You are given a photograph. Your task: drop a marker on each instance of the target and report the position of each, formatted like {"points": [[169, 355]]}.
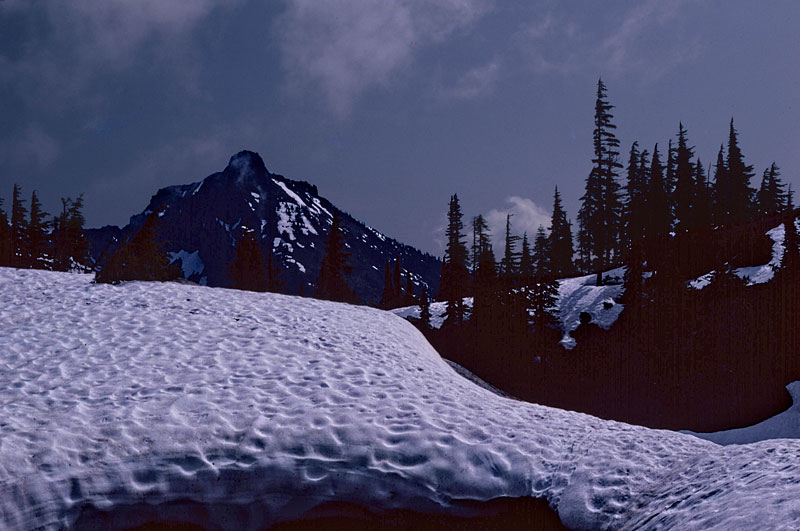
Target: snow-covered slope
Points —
{"points": [[260, 406]]}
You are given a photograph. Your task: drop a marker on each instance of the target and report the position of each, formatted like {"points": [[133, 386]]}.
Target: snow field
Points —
{"points": [[161, 392]]}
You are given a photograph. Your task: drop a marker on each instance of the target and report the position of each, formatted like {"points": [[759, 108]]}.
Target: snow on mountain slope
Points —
{"points": [[260, 406], [754, 274]]}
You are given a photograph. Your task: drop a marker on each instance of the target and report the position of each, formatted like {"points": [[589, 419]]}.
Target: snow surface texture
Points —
{"points": [[159, 392], [784, 425]]}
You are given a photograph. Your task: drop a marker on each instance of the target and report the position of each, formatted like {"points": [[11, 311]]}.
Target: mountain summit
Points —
{"points": [[201, 221]]}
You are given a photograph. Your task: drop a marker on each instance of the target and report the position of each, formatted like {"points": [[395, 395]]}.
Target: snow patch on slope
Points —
{"points": [[169, 392]]}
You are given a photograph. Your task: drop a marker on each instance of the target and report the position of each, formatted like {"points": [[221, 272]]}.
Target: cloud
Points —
{"points": [[87, 37], [33, 150], [474, 83], [526, 216], [346, 47]]}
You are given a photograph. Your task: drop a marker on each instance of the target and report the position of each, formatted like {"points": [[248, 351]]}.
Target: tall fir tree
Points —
{"points": [[6, 245], [703, 198], [670, 178], [560, 242], [789, 198], [332, 281], [636, 193], [659, 217], [397, 283], [542, 291], [36, 236], [509, 265], [19, 228], [771, 197], [455, 277], [59, 236], [248, 270], [76, 234], [601, 210], [526, 267], [484, 276], [684, 195], [425, 308], [733, 193]]}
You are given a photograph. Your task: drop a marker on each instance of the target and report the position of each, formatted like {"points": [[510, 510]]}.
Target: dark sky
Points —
{"points": [[388, 107]]}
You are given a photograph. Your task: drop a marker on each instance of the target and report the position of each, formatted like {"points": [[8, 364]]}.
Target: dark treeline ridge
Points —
{"points": [[29, 240], [677, 357]]}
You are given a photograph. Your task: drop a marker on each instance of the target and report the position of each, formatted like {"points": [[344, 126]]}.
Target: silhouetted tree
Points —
{"points": [[542, 292], [397, 282], [526, 268], [601, 210], [734, 195], [19, 228], [425, 308], [771, 197], [560, 240], [685, 187], [6, 244], [455, 278], [703, 214], [36, 235], [484, 277], [635, 218], [140, 257], [659, 218], [510, 263], [332, 280], [248, 271]]}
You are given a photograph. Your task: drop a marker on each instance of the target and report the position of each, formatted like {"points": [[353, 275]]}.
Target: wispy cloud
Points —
{"points": [[526, 216], [32, 151], [476, 82], [346, 47], [88, 37]]}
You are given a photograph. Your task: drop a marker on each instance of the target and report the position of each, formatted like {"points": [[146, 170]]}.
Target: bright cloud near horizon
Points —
{"points": [[388, 107]]}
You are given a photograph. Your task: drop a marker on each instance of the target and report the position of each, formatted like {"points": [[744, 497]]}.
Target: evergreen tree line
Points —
{"points": [[662, 198], [28, 239], [514, 295]]}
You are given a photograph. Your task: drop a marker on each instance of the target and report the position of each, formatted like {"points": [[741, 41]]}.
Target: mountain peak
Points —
{"points": [[246, 163]]}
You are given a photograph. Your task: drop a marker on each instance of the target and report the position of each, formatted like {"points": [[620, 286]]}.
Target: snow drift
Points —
{"points": [[266, 405]]}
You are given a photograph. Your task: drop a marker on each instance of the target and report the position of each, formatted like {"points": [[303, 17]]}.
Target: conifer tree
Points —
{"points": [[332, 280], [636, 191], [484, 275], [5, 239], [388, 295], [36, 235], [455, 278], [526, 267], [510, 263], [735, 197], [560, 240], [19, 228], [685, 187], [601, 210], [659, 218], [140, 257], [425, 308], [248, 271], [543, 290], [771, 197], [59, 234], [669, 179], [789, 199], [76, 233], [720, 189], [703, 203]]}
